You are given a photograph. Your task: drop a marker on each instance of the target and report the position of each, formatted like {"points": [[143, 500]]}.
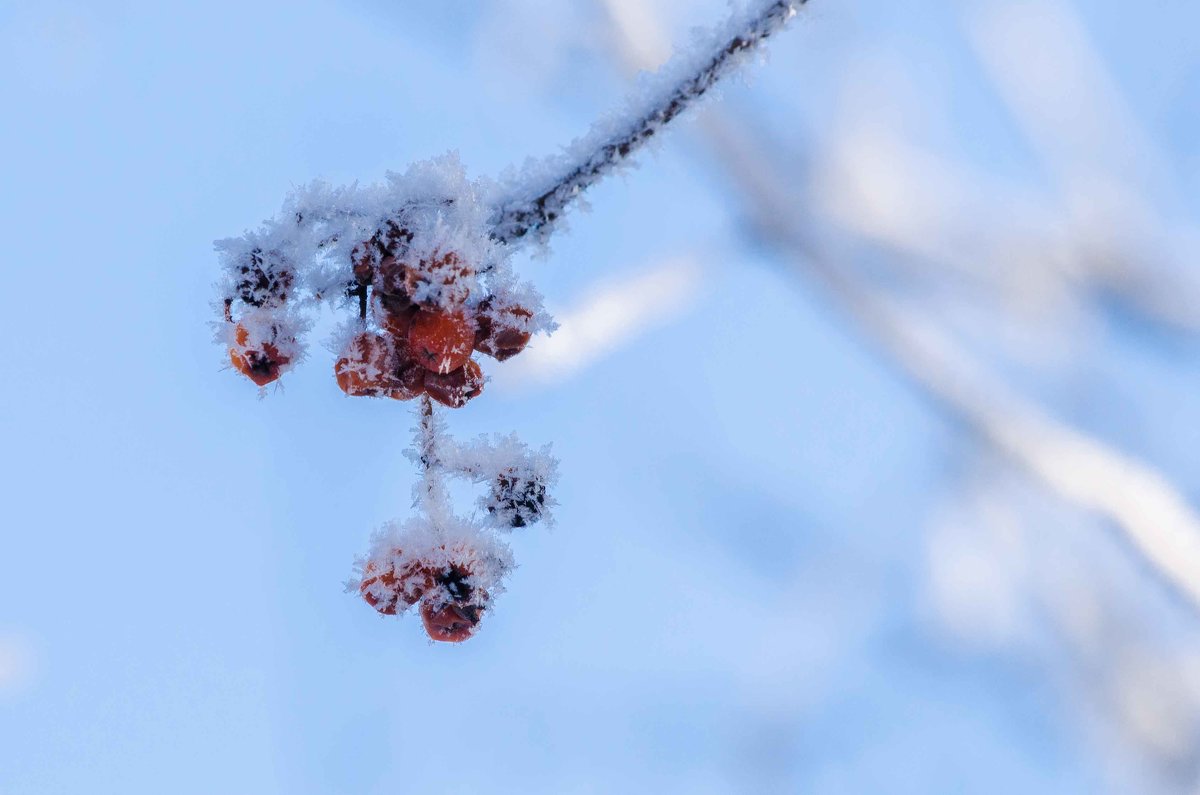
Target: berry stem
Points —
{"points": [[427, 438], [536, 207], [431, 491]]}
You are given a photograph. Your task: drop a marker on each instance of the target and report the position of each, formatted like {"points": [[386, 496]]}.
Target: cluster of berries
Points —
{"points": [[422, 314], [261, 350], [453, 568], [428, 324], [417, 263], [443, 583]]}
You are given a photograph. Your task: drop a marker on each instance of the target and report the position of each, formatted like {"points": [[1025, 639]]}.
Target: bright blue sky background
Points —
{"points": [[731, 601]]}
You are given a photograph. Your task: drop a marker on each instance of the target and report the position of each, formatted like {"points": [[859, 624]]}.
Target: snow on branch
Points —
{"points": [[542, 192]]}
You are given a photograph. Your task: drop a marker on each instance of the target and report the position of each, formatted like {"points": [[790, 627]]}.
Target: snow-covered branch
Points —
{"points": [[542, 193]]}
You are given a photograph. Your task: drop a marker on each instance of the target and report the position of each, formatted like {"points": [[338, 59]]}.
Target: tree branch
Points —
{"points": [[536, 207]]}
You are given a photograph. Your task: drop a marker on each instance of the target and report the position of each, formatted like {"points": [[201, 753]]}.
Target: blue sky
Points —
{"points": [[732, 598]]}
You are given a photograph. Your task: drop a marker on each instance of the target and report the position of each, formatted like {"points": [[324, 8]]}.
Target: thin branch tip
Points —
{"points": [[535, 208]]}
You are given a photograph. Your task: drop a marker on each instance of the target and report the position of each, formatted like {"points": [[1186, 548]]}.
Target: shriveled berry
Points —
{"points": [[365, 368], [441, 341], [386, 589], [409, 376], [456, 388], [261, 362], [453, 605], [518, 500], [264, 279], [502, 331]]}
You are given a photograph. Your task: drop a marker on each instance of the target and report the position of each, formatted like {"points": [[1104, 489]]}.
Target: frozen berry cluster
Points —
{"points": [[263, 344], [423, 320], [424, 257], [424, 284], [443, 581], [420, 321], [416, 264], [448, 568]]}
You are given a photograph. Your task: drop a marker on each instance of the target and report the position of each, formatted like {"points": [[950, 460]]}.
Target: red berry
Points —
{"points": [[440, 276], [450, 623], [409, 381], [394, 314], [384, 273], [365, 368], [385, 589], [441, 341], [374, 365], [456, 388], [260, 363], [501, 332], [390, 277]]}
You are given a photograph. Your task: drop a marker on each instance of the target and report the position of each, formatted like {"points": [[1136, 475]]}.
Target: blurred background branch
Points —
{"points": [[940, 243]]}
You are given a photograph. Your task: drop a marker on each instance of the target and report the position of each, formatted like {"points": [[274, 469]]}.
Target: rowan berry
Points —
{"points": [[409, 377], [390, 277], [439, 279], [385, 589], [450, 623], [456, 388], [260, 362], [365, 368], [501, 331], [441, 341], [453, 606], [386, 274], [394, 314]]}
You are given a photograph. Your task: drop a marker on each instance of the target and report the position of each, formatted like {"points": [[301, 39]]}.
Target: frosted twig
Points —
{"points": [[534, 207]]}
